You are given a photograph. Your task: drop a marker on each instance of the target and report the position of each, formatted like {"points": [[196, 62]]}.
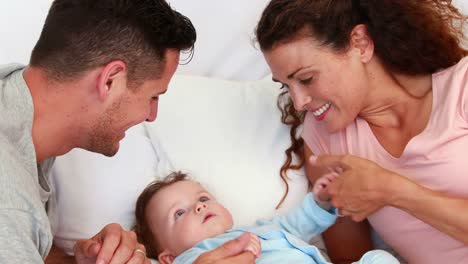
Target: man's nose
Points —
{"points": [[153, 113]]}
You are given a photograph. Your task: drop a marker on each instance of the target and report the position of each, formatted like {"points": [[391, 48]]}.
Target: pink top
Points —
{"points": [[437, 158]]}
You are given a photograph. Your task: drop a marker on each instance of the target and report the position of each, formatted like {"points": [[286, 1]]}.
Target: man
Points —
{"points": [[97, 69]]}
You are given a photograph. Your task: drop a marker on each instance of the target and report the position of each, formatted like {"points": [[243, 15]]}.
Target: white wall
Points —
{"points": [[224, 28], [20, 25], [223, 49]]}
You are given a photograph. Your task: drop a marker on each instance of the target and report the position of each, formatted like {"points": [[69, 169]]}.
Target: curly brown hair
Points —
{"points": [[145, 235], [411, 37]]}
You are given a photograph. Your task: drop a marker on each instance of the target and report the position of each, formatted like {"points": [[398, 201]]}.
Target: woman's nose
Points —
{"points": [[300, 98]]}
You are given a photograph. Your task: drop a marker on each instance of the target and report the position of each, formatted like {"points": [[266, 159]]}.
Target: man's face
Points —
{"points": [[130, 108], [183, 214]]}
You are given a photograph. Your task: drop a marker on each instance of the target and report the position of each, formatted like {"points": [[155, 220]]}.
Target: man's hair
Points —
{"points": [[79, 35], [145, 235]]}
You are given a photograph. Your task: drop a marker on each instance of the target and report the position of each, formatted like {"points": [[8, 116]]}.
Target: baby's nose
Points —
{"points": [[200, 207]]}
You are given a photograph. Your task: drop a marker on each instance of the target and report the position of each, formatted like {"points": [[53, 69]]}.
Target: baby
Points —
{"points": [[178, 220]]}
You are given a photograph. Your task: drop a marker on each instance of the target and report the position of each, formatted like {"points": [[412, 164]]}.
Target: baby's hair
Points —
{"points": [[142, 228]]}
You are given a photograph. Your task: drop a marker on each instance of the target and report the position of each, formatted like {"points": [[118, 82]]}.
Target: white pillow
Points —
{"points": [[92, 190], [228, 135]]}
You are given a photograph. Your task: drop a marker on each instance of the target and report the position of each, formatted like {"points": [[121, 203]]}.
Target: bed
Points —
{"points": [[219, 122]]}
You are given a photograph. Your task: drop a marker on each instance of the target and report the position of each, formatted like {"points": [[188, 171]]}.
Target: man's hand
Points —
{"points": [[234, 251], [111, 245]]}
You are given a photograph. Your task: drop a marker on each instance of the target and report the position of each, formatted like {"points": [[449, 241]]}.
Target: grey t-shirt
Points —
{"points": [[25, 234]]}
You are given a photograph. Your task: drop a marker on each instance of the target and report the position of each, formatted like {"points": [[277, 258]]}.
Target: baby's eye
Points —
{"points": [[204, 199], [179, 213], [306, 81]]}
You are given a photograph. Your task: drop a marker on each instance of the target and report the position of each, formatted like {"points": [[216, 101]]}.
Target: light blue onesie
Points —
{"points": [[282, 238]]}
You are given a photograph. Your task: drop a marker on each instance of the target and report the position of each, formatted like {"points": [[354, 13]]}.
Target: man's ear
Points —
{"points": [[362, 41], [166, 257], [108, 76]]}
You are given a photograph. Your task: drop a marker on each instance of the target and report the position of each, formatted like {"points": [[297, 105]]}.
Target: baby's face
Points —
{"points": [[183, 214]]}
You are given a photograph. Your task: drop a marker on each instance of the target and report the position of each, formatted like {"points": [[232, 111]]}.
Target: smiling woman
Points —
{"points": [[374, 99]]}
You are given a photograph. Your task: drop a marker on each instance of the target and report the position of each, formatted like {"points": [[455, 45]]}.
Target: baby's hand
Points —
{"points": [[321, 184], [254, 245]]}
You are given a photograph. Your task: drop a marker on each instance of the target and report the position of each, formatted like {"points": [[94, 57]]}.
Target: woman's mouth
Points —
{"points": [[320, 112]]}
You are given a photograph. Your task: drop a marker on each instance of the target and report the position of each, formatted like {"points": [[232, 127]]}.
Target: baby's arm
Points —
{"points": [[306, 220], [319, 190]]}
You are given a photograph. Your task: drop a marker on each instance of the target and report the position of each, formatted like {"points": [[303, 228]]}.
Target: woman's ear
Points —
{"points": [[362, 41], [109, 76], [166, 257]]}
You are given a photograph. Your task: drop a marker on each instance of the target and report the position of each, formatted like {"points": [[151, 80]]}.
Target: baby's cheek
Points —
{"points": [[185, 235]]}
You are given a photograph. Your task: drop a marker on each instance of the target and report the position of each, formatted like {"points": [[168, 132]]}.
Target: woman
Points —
{"points": [[381, 89]]}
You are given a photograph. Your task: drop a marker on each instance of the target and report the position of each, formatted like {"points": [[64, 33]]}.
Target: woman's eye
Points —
{"points": [[204, 199], [179, 213], [305, 81]]}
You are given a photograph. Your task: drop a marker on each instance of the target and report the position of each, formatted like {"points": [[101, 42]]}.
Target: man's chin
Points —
{"points": [[113, 151], [108, 151]]}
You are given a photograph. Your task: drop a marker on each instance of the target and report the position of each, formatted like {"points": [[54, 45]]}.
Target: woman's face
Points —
{"points": [[331, 86]]}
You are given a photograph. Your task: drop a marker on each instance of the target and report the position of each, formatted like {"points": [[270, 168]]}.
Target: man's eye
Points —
{"points": [[204, 199], [305, 81], [179, 213], [155, 98], [284, 86]]}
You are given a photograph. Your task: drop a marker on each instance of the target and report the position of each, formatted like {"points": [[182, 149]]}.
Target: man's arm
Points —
{"points": [[23, 238], [57, 256]]}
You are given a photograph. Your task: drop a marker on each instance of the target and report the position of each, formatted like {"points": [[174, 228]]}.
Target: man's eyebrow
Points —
{"points": [[290, 76]]}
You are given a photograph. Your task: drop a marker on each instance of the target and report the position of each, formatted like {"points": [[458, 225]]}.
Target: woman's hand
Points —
{"points": [[362, 187]]}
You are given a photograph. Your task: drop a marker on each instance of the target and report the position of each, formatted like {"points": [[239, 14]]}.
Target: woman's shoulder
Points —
{"points": [[459, 69], [453, 80]]}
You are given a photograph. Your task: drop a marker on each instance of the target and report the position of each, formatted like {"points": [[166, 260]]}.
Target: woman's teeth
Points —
{"points": [[321, 109]]}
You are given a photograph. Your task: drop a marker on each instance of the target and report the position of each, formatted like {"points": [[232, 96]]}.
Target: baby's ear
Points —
{"points": [[166, 257]]}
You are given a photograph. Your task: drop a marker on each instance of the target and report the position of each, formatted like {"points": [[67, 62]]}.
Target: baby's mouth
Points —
{"points": [[208, 216]]}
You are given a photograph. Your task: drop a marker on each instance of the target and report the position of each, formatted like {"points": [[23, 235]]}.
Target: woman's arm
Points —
{"points": [[445, 213], [364, 187], [346, 240]]}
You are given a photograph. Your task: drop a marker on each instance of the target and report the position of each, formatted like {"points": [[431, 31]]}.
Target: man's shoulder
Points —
{"points": [[8, 69], [18, 186]]}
